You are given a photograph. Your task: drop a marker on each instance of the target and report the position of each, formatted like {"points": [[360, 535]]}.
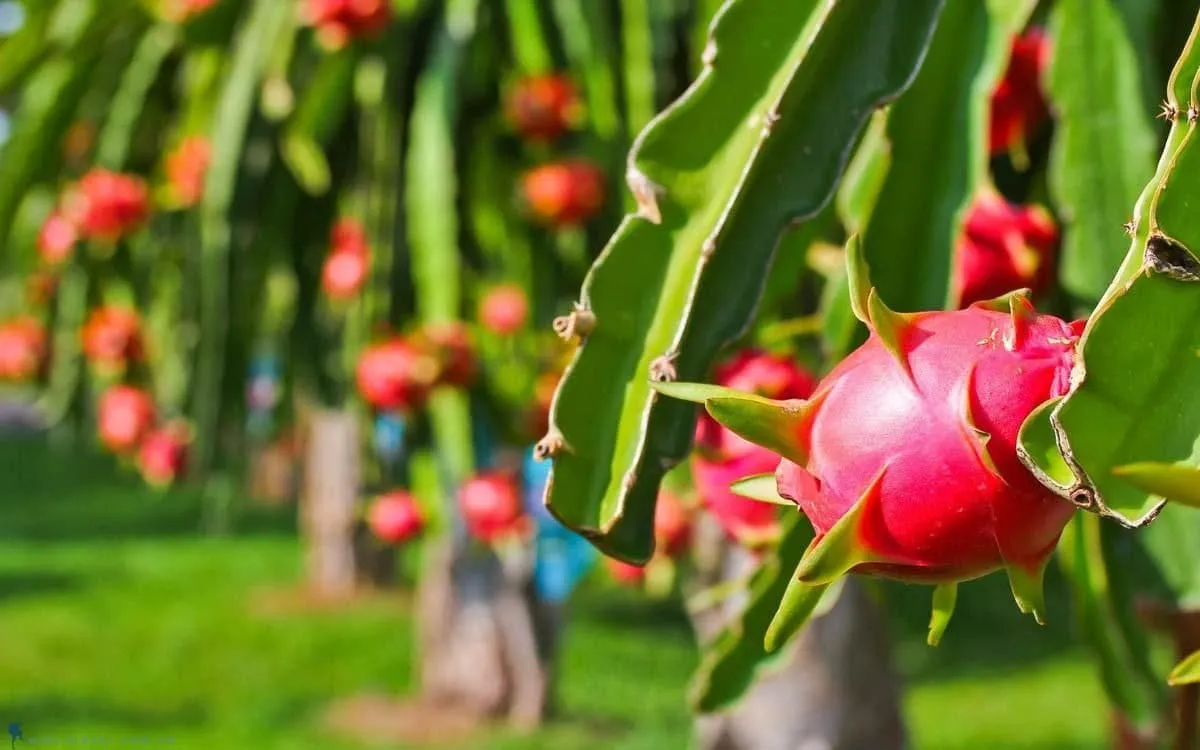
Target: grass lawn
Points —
{"points": [[118, 619]]}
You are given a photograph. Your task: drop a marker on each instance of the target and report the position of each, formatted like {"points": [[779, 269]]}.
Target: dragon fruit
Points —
{"points": [[1018, 103], [395, 517], [1004, 247], [905, 458], [723, 456]]}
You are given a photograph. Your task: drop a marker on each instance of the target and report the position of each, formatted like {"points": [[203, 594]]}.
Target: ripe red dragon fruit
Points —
{"points": [[394, 517], [162, 456], [905, 456], [348, 263], [396, 375], [722, 456], [1018, 103], [124, 416], [565, 193], [56, 239], [503, 309], [672, 525], [449, 343], [22, 349], [107, 205], [112, 338], [339, 21], [187, 167], [490, 504], [542, 108], [1005, 247]]}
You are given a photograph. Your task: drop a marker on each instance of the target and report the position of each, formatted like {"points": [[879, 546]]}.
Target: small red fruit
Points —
{"points": [[625, 573], [124, 416], [339, 21], [542, 108], [395, 518], [187, 167], [1004, 247], [450, 345], [672, 526], [56, 240], [491, 506], [112, 337], [162, 457], [1018, 103], [22, 349], [722, 456], [106, 205], [395, 374], [503, 309], [348, 263], [566, 193]]}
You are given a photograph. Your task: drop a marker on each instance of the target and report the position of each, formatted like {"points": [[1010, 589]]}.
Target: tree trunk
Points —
{"points": [[836, 689], [486, 646], [330, 501]]}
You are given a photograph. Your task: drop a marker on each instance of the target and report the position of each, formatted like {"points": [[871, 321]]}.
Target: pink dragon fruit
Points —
{"points": [[1004, 247], [905, 456], [722, 456]]}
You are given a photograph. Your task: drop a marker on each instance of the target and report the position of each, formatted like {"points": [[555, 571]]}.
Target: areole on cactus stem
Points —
{"points": [[904, 458]]}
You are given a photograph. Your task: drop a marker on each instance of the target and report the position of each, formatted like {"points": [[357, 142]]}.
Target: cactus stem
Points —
{"points": [[550, 445], [709, 57], [578, 324], [645, 193], [841, 549], [707, 249], [944, 598], [663, 370], [1130, 227]]}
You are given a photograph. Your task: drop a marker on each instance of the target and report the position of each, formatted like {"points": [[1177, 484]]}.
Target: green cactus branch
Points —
{"points": [[757, 143]]}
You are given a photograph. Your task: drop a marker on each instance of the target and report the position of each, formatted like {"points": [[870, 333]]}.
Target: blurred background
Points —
{"points": [[282, 289]]}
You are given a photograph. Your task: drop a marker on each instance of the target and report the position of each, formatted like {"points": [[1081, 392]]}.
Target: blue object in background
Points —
{"points": [[562, 557], [390, 429]]}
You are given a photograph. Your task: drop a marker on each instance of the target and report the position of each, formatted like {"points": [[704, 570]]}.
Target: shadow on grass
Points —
{"points": [[36, 583], [53, 715], [75, 493]]}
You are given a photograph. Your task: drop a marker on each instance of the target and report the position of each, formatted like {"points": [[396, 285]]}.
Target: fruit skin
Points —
{"points": [[162, 456], [339, 21], [125, 415], [564, 194], [503, 309], [187, 167], [395, 374], [22, 349], [112, 338], [107, 205], [541, 108], [672, 525], [938, 513], [722, 456], [449, 343], [490, 504], [1004, 247], [56, 240], [395, 517], [1018, 103]]}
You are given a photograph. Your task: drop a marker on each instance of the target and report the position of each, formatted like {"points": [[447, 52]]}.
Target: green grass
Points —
{"points": [[119, 619]]}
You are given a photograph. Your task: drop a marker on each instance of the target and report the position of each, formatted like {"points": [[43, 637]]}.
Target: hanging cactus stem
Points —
{"points": [[944, 597]]}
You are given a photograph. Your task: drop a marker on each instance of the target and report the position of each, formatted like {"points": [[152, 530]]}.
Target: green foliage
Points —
{"points": [[681, 278]]}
